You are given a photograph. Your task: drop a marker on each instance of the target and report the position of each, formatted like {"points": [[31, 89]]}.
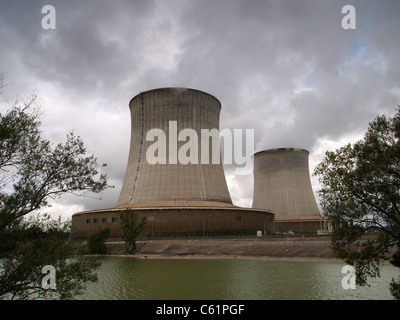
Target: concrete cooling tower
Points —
{"points": [[282, 184], [172, 110], [171, 178]]}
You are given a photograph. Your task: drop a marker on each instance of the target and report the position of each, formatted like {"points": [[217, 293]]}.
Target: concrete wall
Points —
{"points": [[300, 227], [178, 221], [145, 182]]}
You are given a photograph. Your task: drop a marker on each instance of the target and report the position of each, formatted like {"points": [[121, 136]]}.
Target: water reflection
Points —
{"points": [[128, 278]]}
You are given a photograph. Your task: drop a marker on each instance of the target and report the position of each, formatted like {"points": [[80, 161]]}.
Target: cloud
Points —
{"points": [[286, 69]]}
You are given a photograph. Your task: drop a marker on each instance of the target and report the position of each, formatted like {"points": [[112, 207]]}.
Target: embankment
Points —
{"points": [[253, 248]]}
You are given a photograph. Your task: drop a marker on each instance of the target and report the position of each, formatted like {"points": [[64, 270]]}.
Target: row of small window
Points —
{"points": [[95, 220]]}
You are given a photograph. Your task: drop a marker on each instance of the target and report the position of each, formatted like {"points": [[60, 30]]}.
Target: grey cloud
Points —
{"points": [[285, 68]]}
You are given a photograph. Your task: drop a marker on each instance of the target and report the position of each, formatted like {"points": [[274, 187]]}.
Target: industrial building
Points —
{"points": [[178, 190], [282, 185]]}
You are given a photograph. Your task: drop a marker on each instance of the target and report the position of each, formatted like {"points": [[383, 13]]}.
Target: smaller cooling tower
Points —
{"points": [[282, 184]]}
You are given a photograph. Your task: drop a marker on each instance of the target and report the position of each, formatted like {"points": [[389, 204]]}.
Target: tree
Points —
{"points": [[96, 242], [32, 172], [132, 228], [40, 172], [31, 244], [361, 193]]}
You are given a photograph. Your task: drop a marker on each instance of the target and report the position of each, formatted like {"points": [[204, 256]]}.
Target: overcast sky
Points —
{"points": [[285, 68]]}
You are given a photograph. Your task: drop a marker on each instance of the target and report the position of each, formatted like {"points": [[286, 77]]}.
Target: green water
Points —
{"points": [[186, 279]]}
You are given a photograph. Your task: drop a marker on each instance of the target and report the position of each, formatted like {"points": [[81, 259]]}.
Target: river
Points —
{"points": [[125, 278]]}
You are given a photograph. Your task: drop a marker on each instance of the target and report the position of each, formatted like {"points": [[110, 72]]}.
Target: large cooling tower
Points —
{"points": [[172, 110], [172, 179], [282, 184]]}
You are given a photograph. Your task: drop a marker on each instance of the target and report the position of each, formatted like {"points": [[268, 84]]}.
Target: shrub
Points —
{"points": [[96, 241]]}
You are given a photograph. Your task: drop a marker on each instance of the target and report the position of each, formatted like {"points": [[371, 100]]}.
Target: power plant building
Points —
{"points": [[171, 178], [282, 184]]}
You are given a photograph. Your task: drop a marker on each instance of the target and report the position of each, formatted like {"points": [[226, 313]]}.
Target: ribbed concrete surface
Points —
{"points": [[178, 204], [145, 182], [282, 184]]}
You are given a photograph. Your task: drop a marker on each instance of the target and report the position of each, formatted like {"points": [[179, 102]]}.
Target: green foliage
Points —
{"points": [[395, 289], [132, 228], [30, 244], [96, 242], [32, 172], [361, 193], [37, 170]]}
